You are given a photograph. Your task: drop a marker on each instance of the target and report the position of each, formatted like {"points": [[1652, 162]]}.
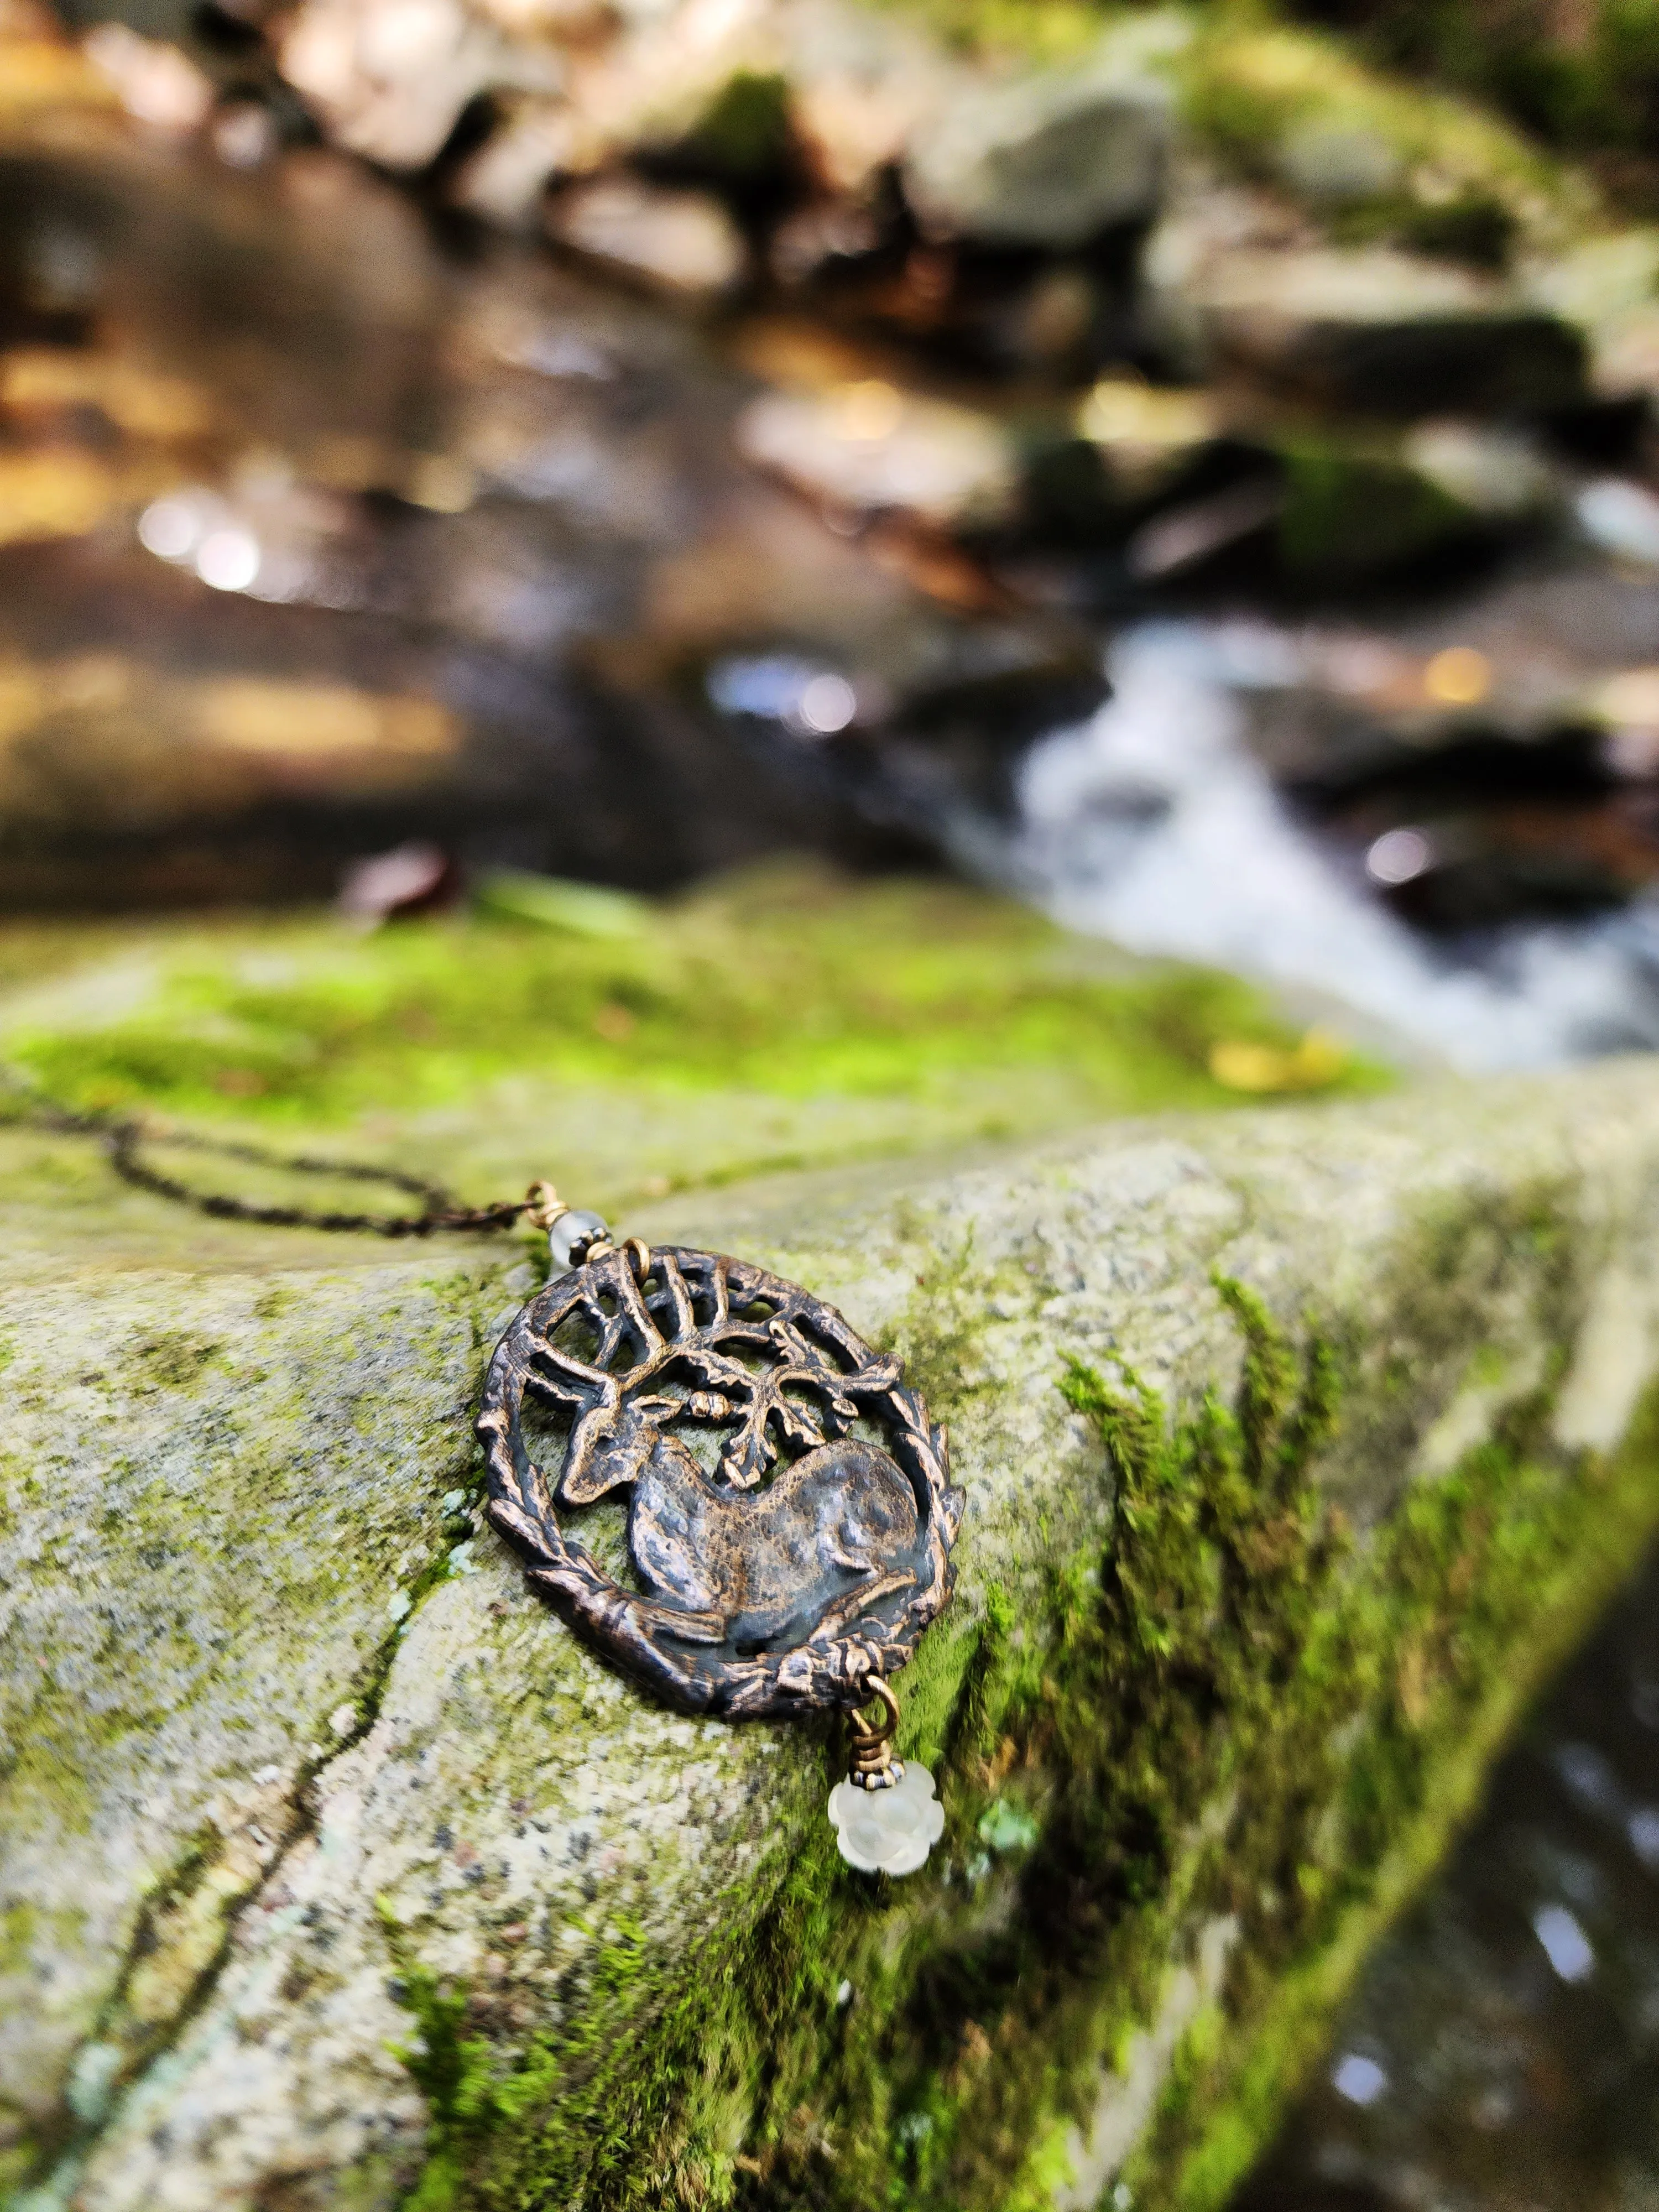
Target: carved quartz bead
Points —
{"points": [[887, 1830]]}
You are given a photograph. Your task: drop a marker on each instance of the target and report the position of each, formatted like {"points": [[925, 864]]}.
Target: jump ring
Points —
{"points": [[543, 1206], [865, 1732]]}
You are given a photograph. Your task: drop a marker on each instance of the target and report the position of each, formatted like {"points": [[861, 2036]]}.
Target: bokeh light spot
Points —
{"points": [[1359, 2079], [827, 704], [228, 559], [870, 412], [1398, 855], [1459, 677]]}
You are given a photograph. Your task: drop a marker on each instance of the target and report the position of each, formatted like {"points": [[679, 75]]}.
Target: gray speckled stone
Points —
{"points": [[268, 1737]]}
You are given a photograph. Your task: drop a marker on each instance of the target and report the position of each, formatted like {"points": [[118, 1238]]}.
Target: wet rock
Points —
{"points": [[1621, 517], [1606, 286], [1485, 784], [1494, 472], [1488, 872], [1353, 509], [1046, 162], [505, 182], [338, 469], [389, 78], [1186, 498], [1624, 362], [411, 879], [691, 88], [1052, 323], [1333, 162], [1190, 533], [1481, 828], [816, 243], [1369, 329], [156, 83], [1369, 157], [1146, 434], [682, 243], [865, 448], [861, 81]]}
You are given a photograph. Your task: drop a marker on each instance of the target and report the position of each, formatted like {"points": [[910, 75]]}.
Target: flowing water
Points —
{"points": [[1157, 824], [1502, 2051]]}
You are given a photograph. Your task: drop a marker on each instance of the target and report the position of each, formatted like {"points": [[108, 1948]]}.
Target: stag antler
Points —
{"points": [[619, 1415]]}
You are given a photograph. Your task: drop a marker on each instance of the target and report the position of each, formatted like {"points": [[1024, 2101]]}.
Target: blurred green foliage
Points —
{"points": [[1583, 76]]}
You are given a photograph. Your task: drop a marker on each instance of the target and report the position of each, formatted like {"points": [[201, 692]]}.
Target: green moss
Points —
{"points": [[744, 134], [455, 2071], [174, 1360], [1253, 87], [1239, 1709], [625, 2106], [1585, 79], [17, 1925], [1052, 32], [1521, 1563], [1348, 513], [1449, 177], [818, 1019], [887, 990], [1470, 225]]}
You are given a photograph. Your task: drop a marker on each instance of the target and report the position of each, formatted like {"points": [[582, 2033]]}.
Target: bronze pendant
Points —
{"points": [[790, 1510]]}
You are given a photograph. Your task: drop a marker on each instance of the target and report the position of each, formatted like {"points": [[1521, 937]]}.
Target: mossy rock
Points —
{"points": [[1589, 82], [1376, 156], [1353, 513], [1285, 103], [780, 1019], [338, 1873]]}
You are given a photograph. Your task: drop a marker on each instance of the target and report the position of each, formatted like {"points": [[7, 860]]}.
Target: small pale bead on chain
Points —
{"points": [[570, 1236]]}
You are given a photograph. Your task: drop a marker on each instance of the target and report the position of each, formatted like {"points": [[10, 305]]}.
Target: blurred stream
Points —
{"points": [[1502, 2051], [1156, 825]]}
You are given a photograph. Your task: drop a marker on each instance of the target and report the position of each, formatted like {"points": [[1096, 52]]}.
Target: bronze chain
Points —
{"points": [[123, 1137]]}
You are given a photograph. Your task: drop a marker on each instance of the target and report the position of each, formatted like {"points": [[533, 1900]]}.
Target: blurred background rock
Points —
{"points": [[1191, 469]]}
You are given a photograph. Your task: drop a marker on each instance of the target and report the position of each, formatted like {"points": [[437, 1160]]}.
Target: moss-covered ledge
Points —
{"points": [[336, 1873]]}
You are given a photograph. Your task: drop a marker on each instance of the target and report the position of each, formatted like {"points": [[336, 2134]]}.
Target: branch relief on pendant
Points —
{"points": [[790, 1511]]}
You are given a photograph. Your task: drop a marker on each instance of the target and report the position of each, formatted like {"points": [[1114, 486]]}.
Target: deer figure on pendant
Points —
{"points": [[733, 1558]]}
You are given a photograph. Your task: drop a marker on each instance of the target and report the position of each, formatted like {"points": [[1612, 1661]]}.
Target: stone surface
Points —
{"points": [[682, 243], [300, 1777], [1049, 161], [1374, 328], [864, 448]]}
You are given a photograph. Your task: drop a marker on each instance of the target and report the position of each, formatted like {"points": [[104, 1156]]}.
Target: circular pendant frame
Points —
{"points": [[776, 1584]]}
